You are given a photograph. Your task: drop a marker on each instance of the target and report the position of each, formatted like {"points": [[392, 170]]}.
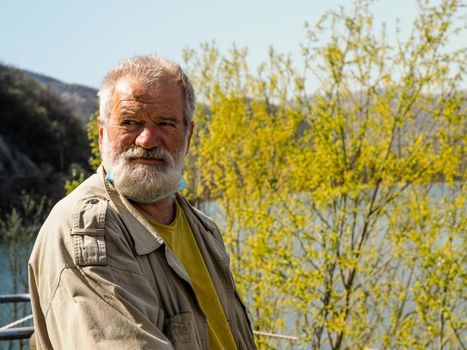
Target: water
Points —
{"points": [[6, 287]]}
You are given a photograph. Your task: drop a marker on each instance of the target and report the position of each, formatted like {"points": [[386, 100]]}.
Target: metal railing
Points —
{"points": [[10, 331]]}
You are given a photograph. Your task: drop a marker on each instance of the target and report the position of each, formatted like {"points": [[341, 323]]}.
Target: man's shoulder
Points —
{"points": [[64, 211], [82, 211], [93, 186]]}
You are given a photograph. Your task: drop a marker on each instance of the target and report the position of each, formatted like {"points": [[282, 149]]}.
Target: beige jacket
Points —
{"points": [[100, 277]]}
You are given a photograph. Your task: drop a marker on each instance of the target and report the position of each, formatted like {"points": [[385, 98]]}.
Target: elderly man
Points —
{"points": [[124, 261]]}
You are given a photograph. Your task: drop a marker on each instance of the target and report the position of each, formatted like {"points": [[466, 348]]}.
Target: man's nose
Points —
{"points": [[148, 137]]}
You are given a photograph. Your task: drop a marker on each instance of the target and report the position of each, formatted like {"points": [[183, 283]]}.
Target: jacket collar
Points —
{"points": [[194, 216]]}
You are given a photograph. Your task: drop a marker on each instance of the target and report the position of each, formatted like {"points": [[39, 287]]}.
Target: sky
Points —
{"points": [[79, 41]]}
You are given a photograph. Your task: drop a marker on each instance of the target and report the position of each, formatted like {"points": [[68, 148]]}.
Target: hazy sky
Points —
{"points": [[78, 41]]}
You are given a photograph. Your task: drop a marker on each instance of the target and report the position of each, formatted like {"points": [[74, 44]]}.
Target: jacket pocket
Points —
{"points": [[180, 330]]}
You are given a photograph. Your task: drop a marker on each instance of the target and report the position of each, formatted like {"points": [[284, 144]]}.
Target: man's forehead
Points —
{"points": [[131, 94], [124, 87]]}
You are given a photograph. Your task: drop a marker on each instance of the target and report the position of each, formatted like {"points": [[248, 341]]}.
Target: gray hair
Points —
{"points": [[150, 70]]}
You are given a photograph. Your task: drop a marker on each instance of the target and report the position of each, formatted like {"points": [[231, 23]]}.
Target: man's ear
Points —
{"points": [[191, 126], [100, 125]]}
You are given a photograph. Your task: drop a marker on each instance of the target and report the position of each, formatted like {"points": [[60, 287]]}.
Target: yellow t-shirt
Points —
{"points": [[180, 239]]}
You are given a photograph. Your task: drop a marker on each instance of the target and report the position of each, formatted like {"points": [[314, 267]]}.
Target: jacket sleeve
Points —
{"points": [[87, 291]]}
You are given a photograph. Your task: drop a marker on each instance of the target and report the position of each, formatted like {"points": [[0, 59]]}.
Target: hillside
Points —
{"points": [[41, 137], [81, 99]]}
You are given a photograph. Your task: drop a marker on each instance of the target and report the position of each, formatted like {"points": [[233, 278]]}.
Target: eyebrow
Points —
{"points": [[131, 114], [171, 119]]}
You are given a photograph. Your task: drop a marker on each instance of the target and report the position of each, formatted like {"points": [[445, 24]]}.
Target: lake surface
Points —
{"points": [[6, 310]]}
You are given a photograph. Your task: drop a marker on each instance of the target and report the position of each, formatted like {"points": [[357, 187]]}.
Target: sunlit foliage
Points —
{"points": [[344, 206]]}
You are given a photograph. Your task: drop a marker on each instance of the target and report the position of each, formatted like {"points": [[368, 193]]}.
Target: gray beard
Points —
{"points": [[142, 183]]}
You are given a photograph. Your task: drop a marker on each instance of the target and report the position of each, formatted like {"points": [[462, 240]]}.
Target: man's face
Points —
{"points": [[145, 139]]}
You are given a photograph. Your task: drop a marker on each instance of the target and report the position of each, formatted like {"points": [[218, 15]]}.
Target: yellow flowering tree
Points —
{"points": [[344, 208]]}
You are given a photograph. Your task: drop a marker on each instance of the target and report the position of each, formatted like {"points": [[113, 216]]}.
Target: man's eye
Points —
{"points": [[166, 124], [129, 122]]}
